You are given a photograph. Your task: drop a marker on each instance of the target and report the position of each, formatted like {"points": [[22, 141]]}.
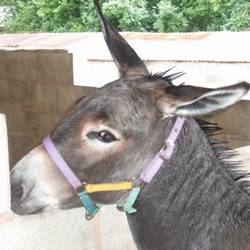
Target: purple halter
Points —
{"points": [[145, 177]]}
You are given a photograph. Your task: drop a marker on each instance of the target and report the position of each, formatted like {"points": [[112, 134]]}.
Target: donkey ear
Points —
{"points": [[195, 101], [126, 59]]}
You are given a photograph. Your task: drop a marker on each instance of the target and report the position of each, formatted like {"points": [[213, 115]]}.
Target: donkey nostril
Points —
{"points": [[17, 192]]}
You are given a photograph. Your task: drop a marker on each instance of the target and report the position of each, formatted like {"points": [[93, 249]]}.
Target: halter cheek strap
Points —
{"points": [[154, 166], [164, 154], [62, 165], [146, 176]]}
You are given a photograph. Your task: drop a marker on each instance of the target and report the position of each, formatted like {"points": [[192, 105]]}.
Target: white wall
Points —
{"points": [[203, 74]]}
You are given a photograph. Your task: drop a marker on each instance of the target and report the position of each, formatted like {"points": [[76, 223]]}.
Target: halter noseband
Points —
{"points": [[83, 189]]}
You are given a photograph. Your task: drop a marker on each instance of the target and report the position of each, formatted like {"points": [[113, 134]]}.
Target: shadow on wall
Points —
{"points": [[235, 122], [36, 90]]}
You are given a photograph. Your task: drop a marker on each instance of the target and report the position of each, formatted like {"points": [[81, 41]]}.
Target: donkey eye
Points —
{"points": [[104, 136]]}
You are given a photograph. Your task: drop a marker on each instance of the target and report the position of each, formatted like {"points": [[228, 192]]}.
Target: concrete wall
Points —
{"points": [[36, 90], [206, 74], [235, 122], [198, 73], [35, 93]]}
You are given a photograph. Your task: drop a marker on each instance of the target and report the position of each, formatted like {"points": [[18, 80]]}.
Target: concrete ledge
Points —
{"points": [[4, 167]]}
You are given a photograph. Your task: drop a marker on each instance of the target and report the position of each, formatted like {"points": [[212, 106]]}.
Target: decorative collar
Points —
{"points": [[83, 189]]}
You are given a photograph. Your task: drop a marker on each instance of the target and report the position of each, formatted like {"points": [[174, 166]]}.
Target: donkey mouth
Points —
{"points": [[38, 211], [24, 211]]}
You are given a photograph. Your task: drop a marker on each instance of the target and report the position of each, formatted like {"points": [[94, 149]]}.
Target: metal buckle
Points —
{"points": [[79, 189], [138, 182], [127, 205], [90, 207], [90, 216]]}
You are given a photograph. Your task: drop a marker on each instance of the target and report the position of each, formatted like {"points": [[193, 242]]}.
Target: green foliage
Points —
{"points": [[199, 15], [169, 18], [130, 15], [54, 15], [215, 15], [240, 16], [7, 2]]}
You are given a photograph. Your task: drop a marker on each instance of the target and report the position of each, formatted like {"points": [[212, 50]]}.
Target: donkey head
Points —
{"points": [[112, 134]]}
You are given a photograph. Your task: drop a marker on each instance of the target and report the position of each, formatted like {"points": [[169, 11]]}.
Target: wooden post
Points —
{"points": [[5, 211]]}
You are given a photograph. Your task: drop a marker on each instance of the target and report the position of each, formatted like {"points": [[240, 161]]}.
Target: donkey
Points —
{"points": [[195, 200]]}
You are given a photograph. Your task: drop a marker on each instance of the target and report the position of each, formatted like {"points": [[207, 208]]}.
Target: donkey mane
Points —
{"points": [[225, 154], [169, 78]]}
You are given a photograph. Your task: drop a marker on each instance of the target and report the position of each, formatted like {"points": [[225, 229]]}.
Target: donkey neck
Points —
{"points": [[193, 202]]}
